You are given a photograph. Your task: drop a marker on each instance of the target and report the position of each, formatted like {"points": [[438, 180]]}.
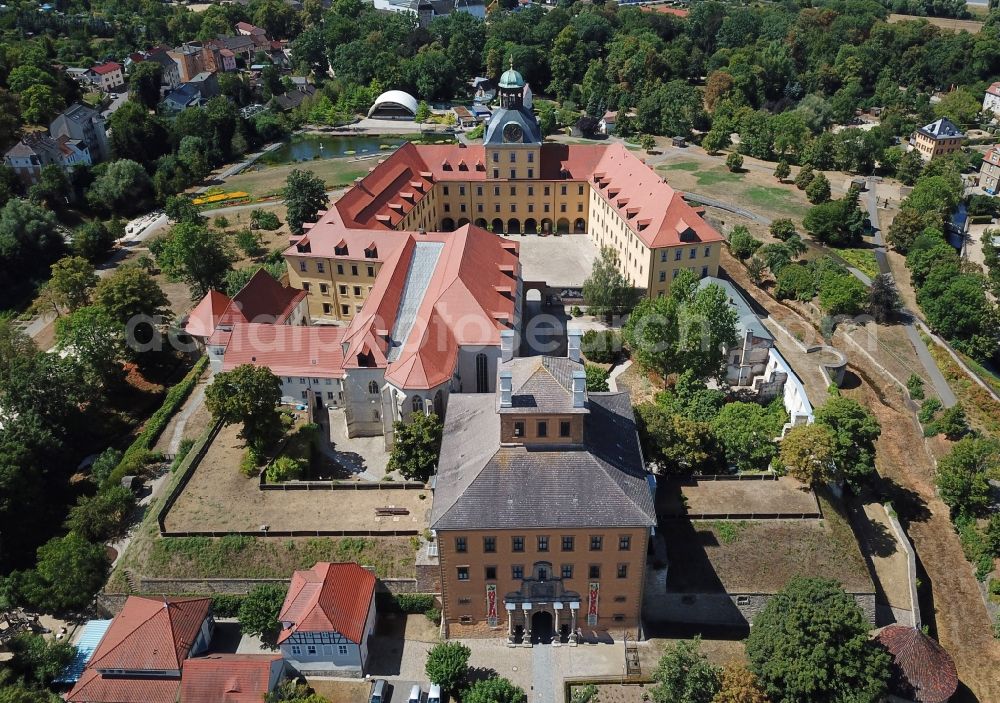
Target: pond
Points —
{"points": [[306, 147]]}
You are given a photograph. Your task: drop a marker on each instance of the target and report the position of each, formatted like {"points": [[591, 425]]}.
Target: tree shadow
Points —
{"points": [[909, 505], [480, 673]]}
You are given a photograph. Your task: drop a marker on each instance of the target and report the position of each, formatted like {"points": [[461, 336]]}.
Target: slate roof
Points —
{"points": [[483, 485], [925, 672], [541, 384], [227, 678], [523, 118], [330, 597], [941, 129]]}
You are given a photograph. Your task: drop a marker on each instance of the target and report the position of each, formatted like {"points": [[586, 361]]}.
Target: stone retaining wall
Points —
{"points": [[911, 564], [733, 609]]}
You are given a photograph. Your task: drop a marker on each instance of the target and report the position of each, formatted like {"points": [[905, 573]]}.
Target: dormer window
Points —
{"points": [[371, 252], [340, 249]]}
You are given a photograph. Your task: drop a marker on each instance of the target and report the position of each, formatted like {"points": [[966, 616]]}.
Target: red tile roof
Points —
{"points": [[228, 678], [288, 350], [463, 305], [994, 88], [92, 687], [203, 319], [328, 597], [926, 671], [262, 299], [109, 67]]}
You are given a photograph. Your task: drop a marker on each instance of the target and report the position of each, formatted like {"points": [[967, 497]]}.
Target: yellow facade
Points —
{"points": [[337, 287]]}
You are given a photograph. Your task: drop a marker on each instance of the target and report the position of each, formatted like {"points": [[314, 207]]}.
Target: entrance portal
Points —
{"points": [[541, 627]]}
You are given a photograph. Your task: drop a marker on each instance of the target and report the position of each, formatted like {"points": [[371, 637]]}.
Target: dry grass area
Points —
{"points": [[341, 691], [641, 386], [762, 556], [264, 181], [786, 495], [983, 412], [970, 26], [217, 485]]}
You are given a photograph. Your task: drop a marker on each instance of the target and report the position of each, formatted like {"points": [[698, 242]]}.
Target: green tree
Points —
{"points": [[136, 134], [92, 241], [756, 268], [675, 444], [23, 77], [607, 291], [597, 378], [782, 171], [805, 177], [247, 395], [911, 165], [448, 665], [688, 329], [416, 445], [855, 430], [179, 208], [747, 433], [37, 659], [807, 453], [883, 299], [811, 642], [71, 282], [96, 340], [742, 244], [908, 224], [715, 140], [264, 219], [818, 190], [130, 292], [842, 294], [193, 254], [68, 573], [423, 113], [734, 162], [259, 613], [782, 229], [144, 81], [963, 475], [647, 142], [305, 195], [249, 243], [40, 103], [52, 189], [495, 689], [796, 281], [18, 692], [123, 187], [103, 516], [684, 675]]}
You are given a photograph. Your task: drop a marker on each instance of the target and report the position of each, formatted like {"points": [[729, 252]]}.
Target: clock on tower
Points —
{"points": [[512, 133]]}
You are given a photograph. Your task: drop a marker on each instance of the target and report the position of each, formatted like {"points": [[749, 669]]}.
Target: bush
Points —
{"points": [[952, 424], [138, 454], [434, 615], [734, 162], [227, 605], [975, 546], [601, 346], [182, 451], [915, 386], [414, 602], [928, 409], [250, 463], [284, 468]]}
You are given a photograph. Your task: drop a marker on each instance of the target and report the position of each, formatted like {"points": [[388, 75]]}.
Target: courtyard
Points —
{"points": [[205, 504], [562, 261]]}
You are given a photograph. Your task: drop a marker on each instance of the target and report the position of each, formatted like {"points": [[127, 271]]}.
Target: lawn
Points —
{"points": [[236, 556], [715, 176], [690, 166], [268, 181], [861, 259], [773, 198]]}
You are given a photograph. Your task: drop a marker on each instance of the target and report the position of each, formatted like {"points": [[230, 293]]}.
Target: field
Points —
{"points": [[267, 181], [753, 187], [970, 26]]}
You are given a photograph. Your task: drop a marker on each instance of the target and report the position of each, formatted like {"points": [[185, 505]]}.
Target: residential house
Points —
{"points": [[189, 59], [543, 507], [193, 93], [938, 138], [231, 678], [989, 171], [37, 150], [327, 618], [143, 653], [107, 76], [248, 30], [216, 57], [262, 300], [83, 124], [207, 84], [991, 99], [291, 99]]}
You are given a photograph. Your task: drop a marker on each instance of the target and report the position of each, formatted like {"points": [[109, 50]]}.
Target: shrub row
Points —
{"points": [[601, 346], [227, 605], [414, 602], [140, 451]]}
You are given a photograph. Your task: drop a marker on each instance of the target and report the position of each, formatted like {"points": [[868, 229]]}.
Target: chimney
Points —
{"points": [[506, 389], [573, 351], [506, 345], [579, 388]]}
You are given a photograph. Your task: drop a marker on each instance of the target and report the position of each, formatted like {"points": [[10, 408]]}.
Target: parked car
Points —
{"points": [[434, 694], [379, 691], [414, 694]]}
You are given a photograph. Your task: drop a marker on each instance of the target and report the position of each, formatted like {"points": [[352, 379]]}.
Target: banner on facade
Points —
{"points": [[491, 605], [594, 592]]}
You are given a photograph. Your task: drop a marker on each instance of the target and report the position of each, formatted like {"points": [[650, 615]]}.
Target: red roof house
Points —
{"points": [[140, 657], [923, 671], [326, 619], [106, 68], [231, 678]]}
